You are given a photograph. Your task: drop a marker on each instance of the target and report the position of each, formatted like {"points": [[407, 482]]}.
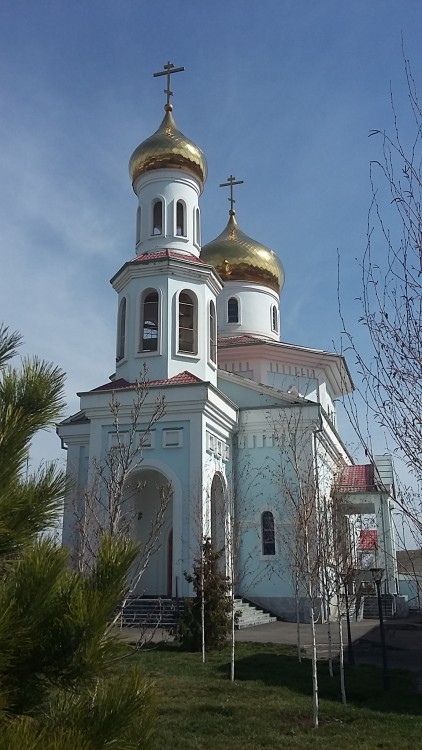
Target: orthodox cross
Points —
{"points": [[169, 69], [230, 182]]}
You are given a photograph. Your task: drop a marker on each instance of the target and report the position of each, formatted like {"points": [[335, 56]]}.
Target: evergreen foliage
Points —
{"points": [[61, 682], [212, 589]]}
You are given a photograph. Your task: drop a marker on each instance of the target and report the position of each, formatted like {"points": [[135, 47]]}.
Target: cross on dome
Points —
{"points": [[168, 71], [230, 182]]}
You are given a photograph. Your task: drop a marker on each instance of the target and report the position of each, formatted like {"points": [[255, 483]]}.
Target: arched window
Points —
{"points": [[180, 219], [157, 217], [233, 310], [267, 533], [197, 228], [274, 319], [149, 322], [138, 225], [121, 331], [187, 323], [213, 333]]}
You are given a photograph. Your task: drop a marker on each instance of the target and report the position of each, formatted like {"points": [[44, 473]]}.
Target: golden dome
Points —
{"points": [[168, 148], [236, 257]]}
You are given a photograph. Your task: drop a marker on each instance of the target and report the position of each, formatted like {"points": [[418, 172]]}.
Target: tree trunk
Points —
{"points": [[315, 701], [298, 641], [341, 647], [232, 636], [202, 607], [330, 649]]}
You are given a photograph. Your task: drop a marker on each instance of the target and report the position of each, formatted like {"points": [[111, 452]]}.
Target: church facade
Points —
{"points": [[246, 434]]}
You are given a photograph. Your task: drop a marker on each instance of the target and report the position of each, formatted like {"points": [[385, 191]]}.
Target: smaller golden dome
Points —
{"points": [[236, 257], [168, 148]]}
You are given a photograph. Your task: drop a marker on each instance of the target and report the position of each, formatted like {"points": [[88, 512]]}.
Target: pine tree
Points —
{"points": [[61, 680], [210, 610]]}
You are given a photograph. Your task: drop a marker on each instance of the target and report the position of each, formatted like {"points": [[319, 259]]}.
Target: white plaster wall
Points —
{"points": [[171, 185], [266, 476], [255, 303], [167, 361], [77, 470], [217, 452], [275, 368], [190, 467]]}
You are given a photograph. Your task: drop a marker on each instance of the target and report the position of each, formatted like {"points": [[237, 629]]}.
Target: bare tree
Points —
{"points": [[391, 296], [224, 526], [106, 505], [210, 533], [296, 475], [242, 503], [304, 471], [233, 518]]}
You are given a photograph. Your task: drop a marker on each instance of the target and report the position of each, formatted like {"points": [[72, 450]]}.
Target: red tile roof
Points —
{"points": [[368, 539], [357, 479], [239, 341], [182, 378], [114, 385], [166, 253]]}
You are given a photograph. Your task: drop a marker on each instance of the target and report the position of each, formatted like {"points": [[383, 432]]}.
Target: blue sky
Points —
{"points": [[280, 93]]}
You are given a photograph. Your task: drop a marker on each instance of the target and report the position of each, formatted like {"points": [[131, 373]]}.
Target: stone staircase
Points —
{"points": [[370, 607], [162, 612], [250, 615], [151, 612]]}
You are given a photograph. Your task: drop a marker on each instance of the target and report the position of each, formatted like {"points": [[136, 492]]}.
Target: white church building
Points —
{"points": [[248, 421]]}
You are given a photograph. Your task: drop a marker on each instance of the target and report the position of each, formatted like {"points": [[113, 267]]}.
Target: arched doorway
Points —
{"points": [[151, 500]]}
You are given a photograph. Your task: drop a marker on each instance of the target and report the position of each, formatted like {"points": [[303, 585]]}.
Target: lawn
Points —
{"points": [[270, 704]]}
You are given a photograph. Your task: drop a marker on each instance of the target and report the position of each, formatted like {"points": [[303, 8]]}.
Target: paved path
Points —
{"points": [[403, 638]]}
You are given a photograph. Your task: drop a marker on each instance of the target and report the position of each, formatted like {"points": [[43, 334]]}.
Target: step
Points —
{"points": [[370, 607], [151, 612], [253, 623], [251, 615]]}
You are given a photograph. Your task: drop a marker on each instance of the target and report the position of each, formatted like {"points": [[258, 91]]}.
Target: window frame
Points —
{"points": [[197, 225], [143, 300], [194, 303], [183, 233], [121, 330], [212, 332], [268, 536], [138, 225], [157, 202], [235, 299], [274, 318]]}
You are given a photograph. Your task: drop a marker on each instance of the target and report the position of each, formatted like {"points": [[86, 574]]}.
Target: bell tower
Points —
{"points": [[167, 294]]}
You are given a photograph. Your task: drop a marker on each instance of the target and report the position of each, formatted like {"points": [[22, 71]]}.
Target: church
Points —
{"points": [[246, 434]]}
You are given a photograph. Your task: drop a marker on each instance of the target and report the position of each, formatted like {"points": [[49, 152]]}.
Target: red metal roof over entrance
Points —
{"points": [[357, 479]]}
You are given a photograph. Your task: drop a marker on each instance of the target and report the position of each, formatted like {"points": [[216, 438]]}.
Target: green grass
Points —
{"points": [[270, 704]]}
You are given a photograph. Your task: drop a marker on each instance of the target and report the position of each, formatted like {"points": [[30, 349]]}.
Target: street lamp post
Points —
{"points": [[377, 577]]}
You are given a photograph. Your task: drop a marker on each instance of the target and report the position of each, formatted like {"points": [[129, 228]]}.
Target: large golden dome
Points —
{"points": [[236, 257], [168, 148]]}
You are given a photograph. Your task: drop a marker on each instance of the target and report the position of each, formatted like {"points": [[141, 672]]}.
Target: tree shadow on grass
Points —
{"points": [[364, 686]]}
